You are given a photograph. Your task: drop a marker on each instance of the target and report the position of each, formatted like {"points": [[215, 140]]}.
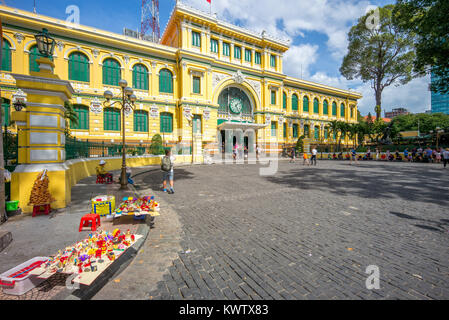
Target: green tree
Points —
{"points": [[70, 116], [343, 127], [334, 128], [300, 144], [156, 145], [382, 55], [428, 22]]}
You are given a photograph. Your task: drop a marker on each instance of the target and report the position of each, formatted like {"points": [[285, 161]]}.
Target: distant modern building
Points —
{"points": [[440, 102], [396, 112]]}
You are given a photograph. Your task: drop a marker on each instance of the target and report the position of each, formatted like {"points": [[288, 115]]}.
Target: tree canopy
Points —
{"points": [[427, 122], [427, 21], [382, 55]]}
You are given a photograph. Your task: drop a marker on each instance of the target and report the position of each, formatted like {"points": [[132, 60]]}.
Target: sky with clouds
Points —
{"points": [[317, 30]]}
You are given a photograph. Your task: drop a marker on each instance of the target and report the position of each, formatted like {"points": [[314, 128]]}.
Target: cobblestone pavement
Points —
{"points": [[304, 233]]}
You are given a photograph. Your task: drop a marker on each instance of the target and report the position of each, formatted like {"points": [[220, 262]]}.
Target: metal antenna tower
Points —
{"points": [[149, 23]]}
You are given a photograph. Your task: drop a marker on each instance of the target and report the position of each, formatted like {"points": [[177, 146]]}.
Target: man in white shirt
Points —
{"points": [[313, 159]]}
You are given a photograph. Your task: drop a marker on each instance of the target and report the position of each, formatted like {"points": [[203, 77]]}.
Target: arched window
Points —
{"points": [[165, 81], [111, 72], [140, 121], [325, 108], [334, 109], [5, 109], [111, 119], [230, 94], [6, 56], [295, 130], [140, 77], [79, 67], [83, 117], [342, 110], [316, 106], [306, 130], [305, 104], [317, 132], [33, 55], [294, 102], [284, 100]]}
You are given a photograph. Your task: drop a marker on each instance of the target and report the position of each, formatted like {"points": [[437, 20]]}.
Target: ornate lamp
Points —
{"points": [[45, 43]]}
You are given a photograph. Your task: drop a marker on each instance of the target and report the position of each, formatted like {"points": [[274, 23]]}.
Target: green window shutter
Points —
{"points": [[78, 67], [226, 49], [196, 85], [257, 58], [273, 61], [325, 107], [83, 118], [273, 128], [5, 108], [214, 45], [306, 130], [326, 132], [33, 55], [140, 77], [295, 102], [111, 121], [305, 104], [111, 72], [237, 52], [317, 132], [140, 121], [334, 109], [295, 130], [273, 97], [342, 110], [285, 130], [6, 56], [316, 106], [284, 100], [166, 122], [165, 81], [352, 112], [248, 55], [196, 123], [196, 39]]}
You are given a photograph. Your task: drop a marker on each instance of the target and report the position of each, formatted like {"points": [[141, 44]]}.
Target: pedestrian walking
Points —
{"points": [[167, 171], [305, 159], [292, 155], [377, 154], [353, 156], [257, 151], [314, 153], [445, 156]]}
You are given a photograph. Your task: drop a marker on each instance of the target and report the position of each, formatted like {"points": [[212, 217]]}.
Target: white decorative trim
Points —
{"points": [[96, 106], [19, 36]]}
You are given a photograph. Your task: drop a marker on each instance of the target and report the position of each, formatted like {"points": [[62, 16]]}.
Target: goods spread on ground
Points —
{"points": [[88, 258], [40, 195], [137, 207]]}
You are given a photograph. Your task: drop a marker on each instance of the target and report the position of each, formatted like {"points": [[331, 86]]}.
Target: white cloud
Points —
{"points": [[298, 59], [413, 96], [332, 18]]}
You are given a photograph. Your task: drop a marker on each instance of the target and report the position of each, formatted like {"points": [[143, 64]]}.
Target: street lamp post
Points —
{"points": [[127, 103]]}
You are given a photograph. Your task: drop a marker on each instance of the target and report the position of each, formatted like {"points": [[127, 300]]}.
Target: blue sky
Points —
{"points": [[317, 30]]}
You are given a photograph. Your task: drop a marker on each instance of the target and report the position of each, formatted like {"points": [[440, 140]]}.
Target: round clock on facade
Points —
{"points": [[235, 105]]}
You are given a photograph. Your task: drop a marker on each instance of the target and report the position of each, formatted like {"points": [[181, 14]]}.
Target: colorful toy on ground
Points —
{"points": [[137, 207], [88, 257]]}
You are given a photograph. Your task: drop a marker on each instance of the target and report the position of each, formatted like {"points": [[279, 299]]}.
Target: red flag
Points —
{"points": [[209, 1]]}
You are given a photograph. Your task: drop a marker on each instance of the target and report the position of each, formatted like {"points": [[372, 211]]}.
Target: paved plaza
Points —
{"points": [[303, 233]]}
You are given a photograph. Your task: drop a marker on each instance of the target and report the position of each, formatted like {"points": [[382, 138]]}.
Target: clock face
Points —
{"points": [[235, 105]]}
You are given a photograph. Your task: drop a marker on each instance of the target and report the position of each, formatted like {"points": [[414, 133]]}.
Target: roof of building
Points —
{"points": [[386, 120]]}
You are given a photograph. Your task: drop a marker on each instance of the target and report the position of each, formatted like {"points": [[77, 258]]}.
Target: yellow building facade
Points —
{"points": [[205, 76]]}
